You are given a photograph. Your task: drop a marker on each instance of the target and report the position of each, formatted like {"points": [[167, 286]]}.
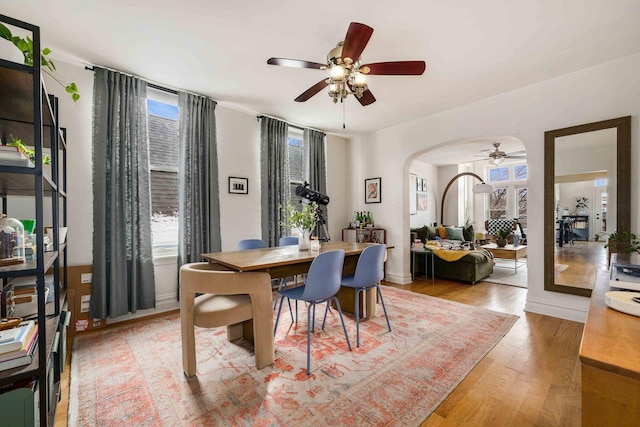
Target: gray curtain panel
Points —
{"points": [[199, 206], [123, 277], [316, 168], [275, 183]]}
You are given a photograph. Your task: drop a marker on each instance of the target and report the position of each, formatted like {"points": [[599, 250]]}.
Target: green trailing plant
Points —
{"points": [[30, 152], [503, 233], [26, 47], [304, 219], [623, 241]]}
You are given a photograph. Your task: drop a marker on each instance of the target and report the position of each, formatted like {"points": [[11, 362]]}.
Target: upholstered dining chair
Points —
{"points": [[240, 301], [322, 285], [369, 273], [247, 244]]}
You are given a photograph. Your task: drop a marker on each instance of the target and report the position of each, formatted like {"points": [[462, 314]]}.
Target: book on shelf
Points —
{"points": [[19, 336], [7, 360], [20, 361]]}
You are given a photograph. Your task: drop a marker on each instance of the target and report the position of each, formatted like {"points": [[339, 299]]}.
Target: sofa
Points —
{"points": [[471, 268]]}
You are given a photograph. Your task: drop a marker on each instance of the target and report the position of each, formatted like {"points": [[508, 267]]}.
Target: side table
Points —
{"points": [[420, 251]]}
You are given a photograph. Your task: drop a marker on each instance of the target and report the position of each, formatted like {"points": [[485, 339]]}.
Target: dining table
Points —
{"points": [[287, 261]]}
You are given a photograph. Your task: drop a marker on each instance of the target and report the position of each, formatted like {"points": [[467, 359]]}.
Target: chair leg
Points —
{"points": [[383, 307], [275, 328], [326, 310], [356, 312], [309, 338], [344, 328]]}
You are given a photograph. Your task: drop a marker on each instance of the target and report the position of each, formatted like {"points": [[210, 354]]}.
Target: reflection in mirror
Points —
{"points": [[583, 165], [587, 171]]}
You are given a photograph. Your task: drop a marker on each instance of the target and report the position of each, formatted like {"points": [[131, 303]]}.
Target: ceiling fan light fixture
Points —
{"points": [[496, 161], [337, 73]]}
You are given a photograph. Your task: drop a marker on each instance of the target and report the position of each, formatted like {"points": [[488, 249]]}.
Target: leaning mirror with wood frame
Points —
{"points": [[576, 223]]}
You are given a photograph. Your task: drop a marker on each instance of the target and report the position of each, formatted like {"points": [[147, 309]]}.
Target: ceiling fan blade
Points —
{"points": [[367, 98], [312, 91], [517, 156], [296, 63], [517, 152], [356, 40], [396, 68]]}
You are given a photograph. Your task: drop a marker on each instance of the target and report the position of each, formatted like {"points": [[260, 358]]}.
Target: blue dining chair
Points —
{"points": [[287, 241], [247, 244], [322, 285], [369, 273]]}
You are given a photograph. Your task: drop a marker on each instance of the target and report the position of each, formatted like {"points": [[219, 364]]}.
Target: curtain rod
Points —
{"points": [[291, 124], [149, 84]]}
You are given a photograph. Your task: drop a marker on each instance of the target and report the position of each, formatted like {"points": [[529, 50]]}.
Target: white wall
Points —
{"points": [[238, 136], [606, 91]]}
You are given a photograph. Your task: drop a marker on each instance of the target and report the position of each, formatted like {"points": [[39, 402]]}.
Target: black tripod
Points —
{"points": [[321, 222]]}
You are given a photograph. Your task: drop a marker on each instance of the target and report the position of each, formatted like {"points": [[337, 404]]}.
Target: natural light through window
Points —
{"points": [[163, 159]]}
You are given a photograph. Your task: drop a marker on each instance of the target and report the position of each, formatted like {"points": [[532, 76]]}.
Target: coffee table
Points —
{"points": [[509, 252]]}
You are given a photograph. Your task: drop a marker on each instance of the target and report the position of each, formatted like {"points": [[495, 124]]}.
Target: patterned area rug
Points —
{"points": [[132, 375]]}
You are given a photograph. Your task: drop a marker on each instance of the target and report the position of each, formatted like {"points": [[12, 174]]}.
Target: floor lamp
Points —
{"points": [[481, 188]]}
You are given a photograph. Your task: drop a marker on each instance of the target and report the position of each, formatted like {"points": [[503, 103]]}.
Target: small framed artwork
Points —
{"points": [[422, 201], [424, 184], [238, 185], [372, 190], [412, 193]]}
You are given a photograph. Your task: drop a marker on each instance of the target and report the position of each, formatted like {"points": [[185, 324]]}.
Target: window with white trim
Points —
{"points": [[162, 116], [296, 164], [509, 200]]}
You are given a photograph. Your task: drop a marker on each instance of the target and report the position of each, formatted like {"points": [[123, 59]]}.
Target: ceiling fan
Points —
{"points": [[347, 73], [497, 156]]}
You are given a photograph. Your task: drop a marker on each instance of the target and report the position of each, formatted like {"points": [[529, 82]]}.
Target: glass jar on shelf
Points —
{"points": [[12, 241]]}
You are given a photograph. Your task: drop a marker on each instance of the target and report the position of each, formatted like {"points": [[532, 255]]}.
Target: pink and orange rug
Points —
{"points": [[132, 375]]}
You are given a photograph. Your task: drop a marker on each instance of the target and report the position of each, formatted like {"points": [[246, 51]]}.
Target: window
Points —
{"points": [[498, 204], [162, 118], [296, 164], [509, 200]]}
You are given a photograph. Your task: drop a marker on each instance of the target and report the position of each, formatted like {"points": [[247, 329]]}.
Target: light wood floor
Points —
{"points": [[583, 260], [531, 378]]}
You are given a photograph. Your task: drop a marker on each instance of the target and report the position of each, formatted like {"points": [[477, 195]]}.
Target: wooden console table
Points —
{"points": [[610, 358]]}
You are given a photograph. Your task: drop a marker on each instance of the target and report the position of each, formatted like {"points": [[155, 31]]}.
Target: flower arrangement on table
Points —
{"points": [[581, 203], [303, 220]]}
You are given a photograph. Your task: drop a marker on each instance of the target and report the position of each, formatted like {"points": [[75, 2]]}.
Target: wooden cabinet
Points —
{"points": [[29, 393], [364, 235], [610, 363]]}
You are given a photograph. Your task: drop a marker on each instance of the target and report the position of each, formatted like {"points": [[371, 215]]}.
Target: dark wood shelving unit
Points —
{"points": [[27, 112]]}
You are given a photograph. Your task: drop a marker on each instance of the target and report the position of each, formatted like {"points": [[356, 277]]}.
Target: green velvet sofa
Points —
{"points": [[471, 268]]}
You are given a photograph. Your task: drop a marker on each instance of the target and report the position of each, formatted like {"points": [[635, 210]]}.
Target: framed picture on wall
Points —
{"points": [[372, 190], [422, 201], [424, 184], [238, 185], [413, 188]]}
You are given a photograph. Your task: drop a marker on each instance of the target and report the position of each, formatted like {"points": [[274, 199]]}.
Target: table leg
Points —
{"points": [[370, 303], [433, 268]]}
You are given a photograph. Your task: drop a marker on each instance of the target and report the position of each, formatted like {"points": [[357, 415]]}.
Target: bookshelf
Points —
{"points": [[29, 393]]}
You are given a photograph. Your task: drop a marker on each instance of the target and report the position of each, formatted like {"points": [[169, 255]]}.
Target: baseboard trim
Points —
{"points": [[164, 303], [556, 310], [398, 279]]}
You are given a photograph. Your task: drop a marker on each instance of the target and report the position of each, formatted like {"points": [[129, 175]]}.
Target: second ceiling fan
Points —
{"points": [[348, 74]]}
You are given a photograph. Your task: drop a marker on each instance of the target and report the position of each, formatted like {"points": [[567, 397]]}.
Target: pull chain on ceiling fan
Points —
{"points": [[347, 73]]}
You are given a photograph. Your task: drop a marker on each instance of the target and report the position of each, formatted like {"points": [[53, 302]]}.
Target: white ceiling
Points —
{"points": [[473, 49]]}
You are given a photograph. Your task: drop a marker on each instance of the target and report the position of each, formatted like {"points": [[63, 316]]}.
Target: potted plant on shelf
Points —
{"points": [[581, 205], [503, 234], [304, 220], [622, 242], [25, 45]]}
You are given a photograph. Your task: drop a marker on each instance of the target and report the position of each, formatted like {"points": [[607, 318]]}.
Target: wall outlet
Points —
{"points": [[85, 278]]}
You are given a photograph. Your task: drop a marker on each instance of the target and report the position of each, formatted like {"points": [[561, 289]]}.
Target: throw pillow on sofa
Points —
{"points": [[454, 233], [442, 232]]}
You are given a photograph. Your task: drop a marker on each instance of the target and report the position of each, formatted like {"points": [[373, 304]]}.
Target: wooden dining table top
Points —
{"points": [[266, 258]]}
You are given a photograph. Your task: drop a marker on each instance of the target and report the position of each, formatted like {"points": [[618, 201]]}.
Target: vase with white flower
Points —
{"points": [[301, 219], [581, 205]]}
